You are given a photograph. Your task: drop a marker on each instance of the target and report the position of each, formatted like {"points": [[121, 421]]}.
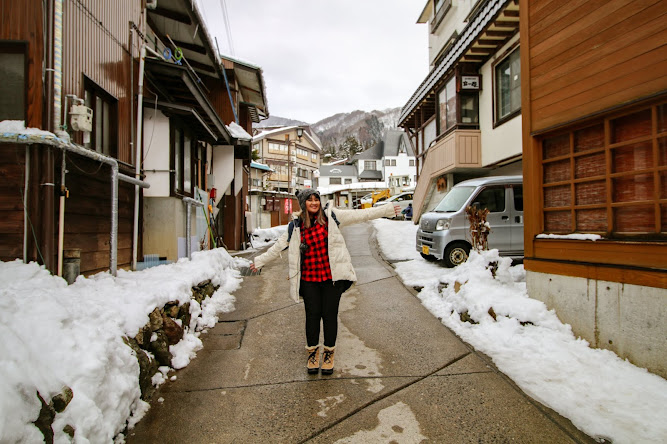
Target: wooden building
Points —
{"points": [[594, 106], [60, 53], [464, 119]]}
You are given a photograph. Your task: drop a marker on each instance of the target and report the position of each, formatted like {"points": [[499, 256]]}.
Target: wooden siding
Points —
{"points": [[582, 62], [458, 149], [95, 44], [88, 215], [17, 24], [219, 98], [588, 56], [12, 171]]}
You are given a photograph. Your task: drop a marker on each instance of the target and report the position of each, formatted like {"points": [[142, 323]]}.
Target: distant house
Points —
{"points": [[464, 119], [594, 101], [337, 175], [293, 159]]}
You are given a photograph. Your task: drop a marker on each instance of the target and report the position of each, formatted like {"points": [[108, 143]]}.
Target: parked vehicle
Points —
{"points": [[444, 232], [401, 199]]}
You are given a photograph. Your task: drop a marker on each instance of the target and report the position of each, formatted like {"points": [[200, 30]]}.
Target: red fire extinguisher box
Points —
{"points": [[212, 193]]}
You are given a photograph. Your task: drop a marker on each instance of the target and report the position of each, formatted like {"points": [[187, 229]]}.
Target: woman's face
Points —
{"points": [[313, 204]]}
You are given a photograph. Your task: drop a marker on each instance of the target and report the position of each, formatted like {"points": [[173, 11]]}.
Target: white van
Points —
{"points": [[444, 232]]}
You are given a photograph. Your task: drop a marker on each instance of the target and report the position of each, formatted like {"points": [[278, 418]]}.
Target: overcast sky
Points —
{"points": [[322, 57]]}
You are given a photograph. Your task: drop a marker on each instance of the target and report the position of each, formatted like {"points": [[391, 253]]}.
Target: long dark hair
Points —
{"points": [[319, 218]]}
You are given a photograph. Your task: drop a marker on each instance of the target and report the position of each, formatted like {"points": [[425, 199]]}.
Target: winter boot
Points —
{"points": [[328, 360], [313, 363]]}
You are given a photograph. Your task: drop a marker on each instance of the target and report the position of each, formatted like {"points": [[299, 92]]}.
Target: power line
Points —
{"points": [[228, 28]]}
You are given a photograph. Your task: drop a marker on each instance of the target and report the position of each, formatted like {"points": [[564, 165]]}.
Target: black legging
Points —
{"points": [[321, 299]]}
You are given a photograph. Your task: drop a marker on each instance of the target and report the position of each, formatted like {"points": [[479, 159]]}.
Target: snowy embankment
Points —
{"points": [[603, 395], [56, 336]]}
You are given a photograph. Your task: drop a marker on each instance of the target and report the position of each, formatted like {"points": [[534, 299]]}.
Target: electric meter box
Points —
{"points": [[81, 118]]}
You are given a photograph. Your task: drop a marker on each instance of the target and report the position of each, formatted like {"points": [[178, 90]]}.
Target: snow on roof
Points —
{"points": [[238, 132], [260, 166]]}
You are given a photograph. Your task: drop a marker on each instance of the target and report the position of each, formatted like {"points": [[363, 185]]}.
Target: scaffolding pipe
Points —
{"points": [[52, 140], [188, 225], [139, 145]]}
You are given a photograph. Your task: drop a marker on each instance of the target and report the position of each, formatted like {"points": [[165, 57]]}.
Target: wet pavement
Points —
{"points": [[401, 376]]}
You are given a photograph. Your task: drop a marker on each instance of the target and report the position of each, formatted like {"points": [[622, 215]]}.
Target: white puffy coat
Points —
{"points": [[339, 257]]}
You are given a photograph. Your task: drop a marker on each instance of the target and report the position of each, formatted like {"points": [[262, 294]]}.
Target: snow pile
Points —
{"points": [[263, 237], [603, 395], [55, 335], [238, 132]]}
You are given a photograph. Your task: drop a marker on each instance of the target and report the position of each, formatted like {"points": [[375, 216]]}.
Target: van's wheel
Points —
{"points": [[429, 257], [456, 254]]}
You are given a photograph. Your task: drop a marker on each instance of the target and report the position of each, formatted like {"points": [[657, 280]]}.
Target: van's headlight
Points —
{"points": [[443, 224]]}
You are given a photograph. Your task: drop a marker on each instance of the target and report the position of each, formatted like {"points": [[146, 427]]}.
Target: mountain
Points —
{"points": [[274, 121], [366, 128]]}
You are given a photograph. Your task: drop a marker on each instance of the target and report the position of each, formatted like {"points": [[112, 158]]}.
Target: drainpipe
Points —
{"points": [[56, 125], [139, 145], [188, 225]]}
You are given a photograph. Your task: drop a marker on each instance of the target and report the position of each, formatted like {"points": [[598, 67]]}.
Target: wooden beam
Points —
{"points": [[510, 13], [190, 47], [173, 15], [506, 24], [481, 50], [499, 33]]}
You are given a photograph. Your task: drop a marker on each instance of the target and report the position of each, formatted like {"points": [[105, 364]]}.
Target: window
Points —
{"points": [[13, 89], [313, 157], [348, 181], [492, 198], [508, 87], [181, 146], [447, 100], [369, 165], [387, 162], [440, 8], [103, 136], [200, 165], [277, 148], [609, 177], [334, 181], [412, 162]]}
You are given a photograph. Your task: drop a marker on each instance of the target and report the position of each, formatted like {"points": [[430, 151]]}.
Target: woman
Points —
{"points": [[320, 268]]}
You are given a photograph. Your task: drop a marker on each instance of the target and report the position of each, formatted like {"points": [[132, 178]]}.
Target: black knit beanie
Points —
{"points": [[303, 196]]}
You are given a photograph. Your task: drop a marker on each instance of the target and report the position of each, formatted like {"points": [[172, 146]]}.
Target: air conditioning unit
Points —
{"points": [[81, 118]]}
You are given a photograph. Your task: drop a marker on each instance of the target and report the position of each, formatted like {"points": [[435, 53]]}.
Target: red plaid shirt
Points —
{"points": [[315, 266]]}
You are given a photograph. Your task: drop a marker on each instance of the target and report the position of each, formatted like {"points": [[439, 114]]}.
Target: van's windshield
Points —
{"points": [[454, 200]]}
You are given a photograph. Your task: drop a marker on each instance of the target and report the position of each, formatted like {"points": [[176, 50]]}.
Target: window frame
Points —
{"points": [[179, 130], [96, 91], [607, 179], [506, 57], [19, 47]]}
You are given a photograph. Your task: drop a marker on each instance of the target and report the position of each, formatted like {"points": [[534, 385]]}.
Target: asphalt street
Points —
{"points": [[401, 376]]}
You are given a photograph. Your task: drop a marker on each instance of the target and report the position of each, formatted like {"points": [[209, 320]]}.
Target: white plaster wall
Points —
{"points": [[222, 166], [453, 21], [164, 223], [627, 319], [504, 141], [402, 168], [156, 152]]}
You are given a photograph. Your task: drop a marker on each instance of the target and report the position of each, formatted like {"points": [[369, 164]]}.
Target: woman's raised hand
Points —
{"points": [[397, 209], [253, 268]]}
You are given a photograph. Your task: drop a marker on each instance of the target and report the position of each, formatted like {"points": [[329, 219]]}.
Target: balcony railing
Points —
{"points": [[456, 152]]}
